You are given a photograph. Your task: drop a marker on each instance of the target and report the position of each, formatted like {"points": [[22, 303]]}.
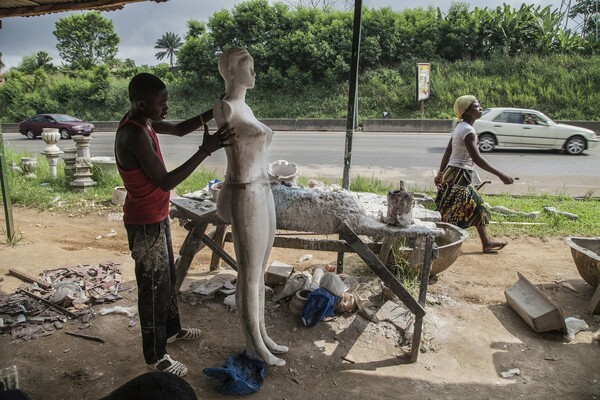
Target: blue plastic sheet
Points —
{"points": [[319, 304], [240, 375]]}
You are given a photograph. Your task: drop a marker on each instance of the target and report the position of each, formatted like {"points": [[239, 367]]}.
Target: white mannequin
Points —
{"points": [[246, 201]]}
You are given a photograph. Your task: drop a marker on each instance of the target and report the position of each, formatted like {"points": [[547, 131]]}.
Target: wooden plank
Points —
{"points": [[425, 271], [313, 244], [34, 8], [49, 304], [88, 337], [384, 251], [218, 239], [28, 278], [380, 270], [595, 302], [191, 245], [214, 247]]}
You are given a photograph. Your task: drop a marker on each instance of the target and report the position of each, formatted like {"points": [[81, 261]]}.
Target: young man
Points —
{"points": [[146, 211]]}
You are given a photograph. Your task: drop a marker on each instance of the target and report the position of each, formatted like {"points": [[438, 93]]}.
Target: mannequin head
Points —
{"points": [[236, 66]]}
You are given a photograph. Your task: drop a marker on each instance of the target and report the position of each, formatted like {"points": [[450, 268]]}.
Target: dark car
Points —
{"points": [[66, 125]]}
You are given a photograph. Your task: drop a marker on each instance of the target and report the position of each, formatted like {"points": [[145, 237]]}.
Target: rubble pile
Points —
{"points": [[44, 304]]}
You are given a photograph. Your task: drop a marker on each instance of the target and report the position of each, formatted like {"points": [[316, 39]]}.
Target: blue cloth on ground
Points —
{"points": [[319, 304], [240, 375]]}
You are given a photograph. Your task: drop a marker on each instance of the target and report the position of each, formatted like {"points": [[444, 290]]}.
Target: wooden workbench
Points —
{"points": [[196, 215]]}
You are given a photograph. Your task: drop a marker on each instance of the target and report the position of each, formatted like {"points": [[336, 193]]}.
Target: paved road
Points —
{"points": [[386, 156]]}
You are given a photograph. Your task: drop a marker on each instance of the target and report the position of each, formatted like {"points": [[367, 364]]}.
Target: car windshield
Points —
{"points": [[65, 118], [485, 111]]}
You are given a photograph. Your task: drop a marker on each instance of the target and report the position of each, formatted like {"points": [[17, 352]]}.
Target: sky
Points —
{"points": [[139, 25]]}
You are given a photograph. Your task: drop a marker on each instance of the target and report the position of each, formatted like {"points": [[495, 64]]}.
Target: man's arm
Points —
{"points": [[139, 144], [184, 127]]}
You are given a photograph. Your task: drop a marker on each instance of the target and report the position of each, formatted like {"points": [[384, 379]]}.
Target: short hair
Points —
{"points": [[154, 386], [145, 85]]}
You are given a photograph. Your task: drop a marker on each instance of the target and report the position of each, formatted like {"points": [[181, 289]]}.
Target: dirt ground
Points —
{"points": [[472, 335]]}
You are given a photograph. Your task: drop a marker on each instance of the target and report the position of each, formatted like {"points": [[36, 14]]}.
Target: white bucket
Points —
{"points": [[119, 194], [282, 170]]}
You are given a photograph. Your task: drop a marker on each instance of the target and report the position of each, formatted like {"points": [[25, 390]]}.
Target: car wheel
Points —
{"points": [[487, 143], [64, 134], [575, 145], [30, 134]]}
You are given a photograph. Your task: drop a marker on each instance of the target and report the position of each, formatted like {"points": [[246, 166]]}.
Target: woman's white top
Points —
{"points": [[460, 156]]}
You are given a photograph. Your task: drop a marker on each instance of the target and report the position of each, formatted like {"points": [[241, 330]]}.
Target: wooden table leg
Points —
{"points": [[191, 245], [365, 253], [219, 240], [425, 271]]}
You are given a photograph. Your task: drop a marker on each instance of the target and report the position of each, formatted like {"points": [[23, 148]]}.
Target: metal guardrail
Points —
{"points": [[339, 125]]}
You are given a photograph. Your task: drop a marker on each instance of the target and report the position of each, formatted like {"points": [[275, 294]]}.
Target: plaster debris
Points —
{"points": [[305, 257], [511, 372], [128, 311], [569, 286], [215, 283], [553, 210], [574, 326], [229, 302]]}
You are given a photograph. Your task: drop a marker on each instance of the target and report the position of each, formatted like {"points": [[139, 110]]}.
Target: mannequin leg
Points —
{"points": [[271, 345], [250, 231]]}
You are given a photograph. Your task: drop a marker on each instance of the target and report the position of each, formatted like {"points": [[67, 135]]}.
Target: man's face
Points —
{"points": [[155, 107]]}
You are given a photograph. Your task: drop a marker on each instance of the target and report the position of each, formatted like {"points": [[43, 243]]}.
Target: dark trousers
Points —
{"points": [[152, 250]]}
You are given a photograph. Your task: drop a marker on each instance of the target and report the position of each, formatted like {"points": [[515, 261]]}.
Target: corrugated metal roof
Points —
{"points": [[27, 8]]}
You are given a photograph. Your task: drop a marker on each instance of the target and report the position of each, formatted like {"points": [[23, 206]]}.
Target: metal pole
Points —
{"points": [[352, 115], [10, 231], [352, 92]]}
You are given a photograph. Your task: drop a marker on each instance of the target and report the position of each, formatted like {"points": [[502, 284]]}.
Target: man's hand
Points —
{"points": [[222, 138]]}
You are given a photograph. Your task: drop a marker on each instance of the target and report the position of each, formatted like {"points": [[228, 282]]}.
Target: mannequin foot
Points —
{"points": [[268, 358], [278, 349], [274, 347]]}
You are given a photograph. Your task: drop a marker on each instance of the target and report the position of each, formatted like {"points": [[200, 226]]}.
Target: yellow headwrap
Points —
{"points": [[461, 104]]}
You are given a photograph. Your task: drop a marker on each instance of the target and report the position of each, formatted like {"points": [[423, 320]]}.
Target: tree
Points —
{"points": [[589, 12], [170, 44], [86, 40], [195, 29], [39, 60], [324, 4]]}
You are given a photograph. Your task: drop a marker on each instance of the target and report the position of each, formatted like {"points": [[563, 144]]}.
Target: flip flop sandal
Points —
{"points": [[186, 334], [494, 249], [167, 364]]}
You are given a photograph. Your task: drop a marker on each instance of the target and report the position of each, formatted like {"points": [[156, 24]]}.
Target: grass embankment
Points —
{"points": [[45, 193]]}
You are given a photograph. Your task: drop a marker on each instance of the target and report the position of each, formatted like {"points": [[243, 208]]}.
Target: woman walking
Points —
{"points": [[457, 200]]}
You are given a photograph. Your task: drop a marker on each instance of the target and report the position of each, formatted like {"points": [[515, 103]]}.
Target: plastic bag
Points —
{"points": [[240, 375], [319, 304]]}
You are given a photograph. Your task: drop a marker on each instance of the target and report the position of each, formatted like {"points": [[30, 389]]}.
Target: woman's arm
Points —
{"points": [[481, 162], [444, 163]]}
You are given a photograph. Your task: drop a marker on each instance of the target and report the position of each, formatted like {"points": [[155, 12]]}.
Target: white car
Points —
{"points": [[518, 127]]}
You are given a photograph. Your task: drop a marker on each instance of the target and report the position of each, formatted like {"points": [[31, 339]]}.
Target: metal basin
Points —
{"points": [[586, 254], [448, 246]]}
